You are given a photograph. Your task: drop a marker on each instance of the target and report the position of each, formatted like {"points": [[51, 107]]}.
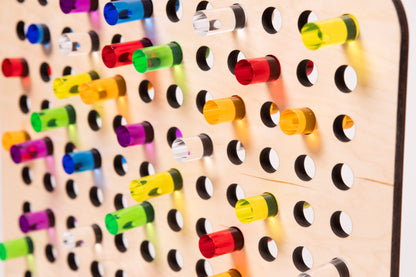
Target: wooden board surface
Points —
{"points": [[374, 106]]}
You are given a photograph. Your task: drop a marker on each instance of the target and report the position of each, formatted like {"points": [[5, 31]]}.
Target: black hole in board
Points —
{"points": [[303, 19], [69, 147], [341, 266], [173, 261], [202, 58], [299, 214], [200, 227], [45, 105], [338, 128], [71, 222], [26, 207], [202, 5], [27, 175], [146, 91], [173, 133], [24, 104], [120, 242], [232, 152], [298, 260], [94, 120], [200, 268], [119, 201], [145, 168], [49, 182], [43, 2], [337, 177], [71, 188], [73, 261], [67, 71], [28, 274], [173, 221], [96, 196], [171, 10], [20, 30], [232, 196], [66, 30], [45, 72], [50, 253], [173, 95], [300, 168], [201, 187], [267, 20], [201, 99], [145, 250], [302, 72], [336, 225], [264, 249], [340, 79], [266, 161], [117, 38], [120, 273], [119, 163], [232, 60], [118, 121], [96, 269], [20, 1], [266, 114]]}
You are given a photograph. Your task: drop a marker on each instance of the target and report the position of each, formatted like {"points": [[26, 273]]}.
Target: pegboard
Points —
{"points": [[373, 203]]}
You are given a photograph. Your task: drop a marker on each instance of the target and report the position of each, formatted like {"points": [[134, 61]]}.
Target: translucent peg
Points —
{"points": [[31, 150], [72, 44], [123, 11], [49, 119], [76, 162], [224, 110], [16, 248], [229, 273], [68, 86], [35, 221], [102, 89], [129, 218], [297, 121], [38, 34], [120, 54], [157, 57], [215, 21], [192, 148], [221, 242], [255, 208], [82, 236], [135, 134], [78, 6], [14, 137], [14, 67], [258, 70], [155, 185], [329, 32]]}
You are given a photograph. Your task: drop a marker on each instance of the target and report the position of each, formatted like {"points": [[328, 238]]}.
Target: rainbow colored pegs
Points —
{"points": [[76, 162], [221, 242], [135, 134], [14, 67], [155, 185], [14, 137], [229, 273], [16, 248], [224, 110], [129, 218], [49, 119], [216, 21], [31, 150], [102, 89], [120, 54], [72, 44], [78, 6], [82, 236], [192, 148], [157, 57], [255, 208], [329, 32], [68, 86], [35, 221], [297, 121], [122, 11], [258, 70], [38, 34]]}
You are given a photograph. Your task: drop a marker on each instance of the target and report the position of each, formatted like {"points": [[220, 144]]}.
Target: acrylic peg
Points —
{"points": [[31, 150], [221, 242], [255, 208], [224, 110], [120, 54], [16, 248], [157, 57], [72, 44], [14, 67], [76, 162], [49, 119], [68, 86], [35, 221]]}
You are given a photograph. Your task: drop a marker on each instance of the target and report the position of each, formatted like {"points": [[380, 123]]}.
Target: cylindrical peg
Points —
{"points": [[68, 86], [221, 242], [82, 236], [297, 121], [120, 54], [192, 148], [49, 119], [14, 137], [102, 89], [157, 57], [258, 70], [31, 150], [35, 221], [38, 34], [135, 134], [122, 11], [224, 110], [14, 67], [16, 248], [72, 44], [255, 208], [76, 162]]}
